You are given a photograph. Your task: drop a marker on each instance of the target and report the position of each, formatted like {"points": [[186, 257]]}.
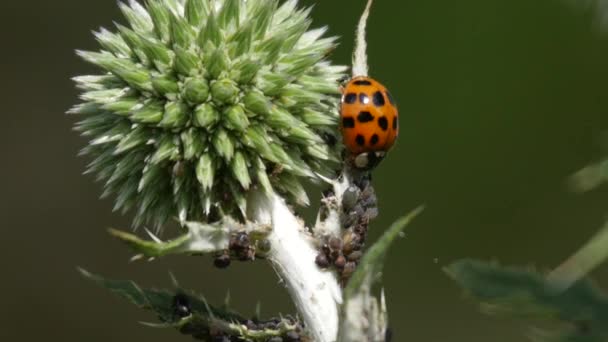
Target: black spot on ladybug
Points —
{"points": [[360, 140], [390, 98], [363, 98], [374, 140], [350, 98], [383, 122], [395, 123], [348, 122], [362, 82], [365, 117], [378, 99]]}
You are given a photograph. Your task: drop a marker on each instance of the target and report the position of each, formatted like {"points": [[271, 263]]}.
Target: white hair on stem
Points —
{"points": [[360, 67]]}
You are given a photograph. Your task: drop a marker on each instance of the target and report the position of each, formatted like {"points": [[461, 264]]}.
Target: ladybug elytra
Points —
{"points": [[368, 118]]}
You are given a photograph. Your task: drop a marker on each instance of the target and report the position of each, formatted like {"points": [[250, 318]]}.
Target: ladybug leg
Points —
{"points": [[368, 160], [343, 80]]}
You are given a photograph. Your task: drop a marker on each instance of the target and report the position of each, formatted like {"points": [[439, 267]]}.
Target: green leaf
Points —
{"points": [[245, 70], [256, 102], [205, 115], [199, 238], [137, 17], [218, 62], [157, 52], [363, 318], [258, 139], [271, 48], [165, 85], [132, 39], [181, 31], [186, 62], [123, 288], [319, 85], [132, 74], [166, 149], [240, 170], [235, 118], [238, 196], [196, 11], [160, 16], [524, 292], [205, 171], [241, 40], [272, 83], [224, 91], [301, 134], [280, 119], [192, 315], [373, 260], [136, 137], [294, 28], [113, 43], [195, 90], [262, 16], [229, 13], [223, 144], [150, 248], [210, 33], [291, 185], [316, 118], [319, 151], [150, 112], [262, 176], [194, 142], [175, 116]]}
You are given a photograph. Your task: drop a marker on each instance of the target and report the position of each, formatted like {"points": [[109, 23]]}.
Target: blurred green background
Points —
{"points": [[500, 102]]}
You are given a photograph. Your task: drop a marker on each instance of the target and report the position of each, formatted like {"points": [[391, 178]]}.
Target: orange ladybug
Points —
{"points": [[368, 118]]}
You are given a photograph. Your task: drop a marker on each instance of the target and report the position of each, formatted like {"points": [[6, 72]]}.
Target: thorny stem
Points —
{"points": [[315, 293]]}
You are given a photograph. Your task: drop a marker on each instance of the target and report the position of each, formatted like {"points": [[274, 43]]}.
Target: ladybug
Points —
{"points": [[368, 120]]}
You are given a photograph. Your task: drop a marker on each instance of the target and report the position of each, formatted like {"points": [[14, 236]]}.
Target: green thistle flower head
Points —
{"points": [[200, 101]]}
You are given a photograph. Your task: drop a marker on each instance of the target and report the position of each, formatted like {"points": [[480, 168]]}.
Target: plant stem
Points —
{"points": [[593, 253], [315, 292]]}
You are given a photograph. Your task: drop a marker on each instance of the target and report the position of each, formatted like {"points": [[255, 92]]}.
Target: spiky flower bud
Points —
{"points": [[200, 101]]}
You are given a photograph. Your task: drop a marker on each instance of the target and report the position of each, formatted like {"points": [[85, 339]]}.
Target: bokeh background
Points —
{"points": [[500, 102]]}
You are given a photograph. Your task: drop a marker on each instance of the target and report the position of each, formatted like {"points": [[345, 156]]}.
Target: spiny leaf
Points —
{"points": [[373, 260]]}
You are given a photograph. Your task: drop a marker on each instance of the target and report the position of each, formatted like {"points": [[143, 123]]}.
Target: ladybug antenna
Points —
{"points": [[360, 56]]}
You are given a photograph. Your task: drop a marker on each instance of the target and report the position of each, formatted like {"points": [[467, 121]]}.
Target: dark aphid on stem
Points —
{"points": [[181, 305], [340, 262], [321, 260], [222, 260]]}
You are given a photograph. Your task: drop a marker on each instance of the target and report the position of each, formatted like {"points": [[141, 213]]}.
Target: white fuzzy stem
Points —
{"points": [[315, 292], [360, 67]]}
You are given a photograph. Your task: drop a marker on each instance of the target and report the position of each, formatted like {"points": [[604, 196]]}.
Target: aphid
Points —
{"points": [[181, 305], [321, 260], [355, 256], [368, 118], [340, 262], [222, 260]]}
